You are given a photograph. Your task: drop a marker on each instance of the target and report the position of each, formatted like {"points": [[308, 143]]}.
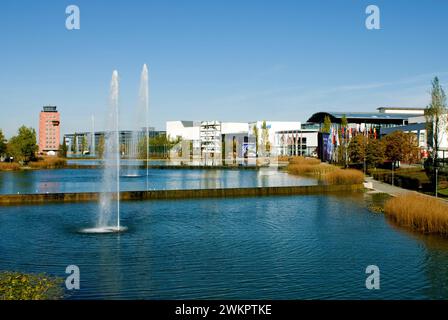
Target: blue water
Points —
{"points": [[89, 180], [302, 247]]}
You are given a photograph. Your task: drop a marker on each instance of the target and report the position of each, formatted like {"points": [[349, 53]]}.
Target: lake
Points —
{"points": [[293, 247], [89, 180]]}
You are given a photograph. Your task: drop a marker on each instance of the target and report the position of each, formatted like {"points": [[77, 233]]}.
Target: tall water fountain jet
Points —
{"points": [[140, 131], [144, 104], [109, 211]]}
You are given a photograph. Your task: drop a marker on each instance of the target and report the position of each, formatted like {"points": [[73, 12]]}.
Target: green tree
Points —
{"points": [[160, 144], [23, 146], [374, 153], [265, 137], [2, 143], [327, 125], [63, 150], [435, 114], [369, 152], [74, 143], [84, 144], [100, 146], [357, 149], [256, 134]]}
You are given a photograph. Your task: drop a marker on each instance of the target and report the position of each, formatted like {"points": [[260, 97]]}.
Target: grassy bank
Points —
{"points": [[49, 163], [20, 286], [407, 178], [418, 212], [43, 163], [9, 166], [330, 174], [413, 179]]}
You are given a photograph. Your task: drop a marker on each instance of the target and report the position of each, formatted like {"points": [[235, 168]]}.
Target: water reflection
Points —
{"points": [[89, 180], [436, 260]]}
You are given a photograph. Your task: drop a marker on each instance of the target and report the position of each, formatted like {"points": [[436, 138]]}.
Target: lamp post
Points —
{"points": [[393, 165], [437, 171]]}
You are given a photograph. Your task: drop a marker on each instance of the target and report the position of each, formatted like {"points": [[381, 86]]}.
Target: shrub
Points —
{"points": [[422, 213], [19, 286]]}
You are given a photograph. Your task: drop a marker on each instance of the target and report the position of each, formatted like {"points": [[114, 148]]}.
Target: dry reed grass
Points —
{"points": [[422, 213], [304, 161], [326, 172], [9, 166], [49, 163], [344, 176]]}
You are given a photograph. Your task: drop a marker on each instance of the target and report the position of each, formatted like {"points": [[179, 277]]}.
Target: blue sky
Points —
{"points": [[226, 60]]}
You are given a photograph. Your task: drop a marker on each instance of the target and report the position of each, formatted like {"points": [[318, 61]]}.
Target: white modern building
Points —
{"points": [[418, 126], [228, 141], [184, 130], [302, 142]]}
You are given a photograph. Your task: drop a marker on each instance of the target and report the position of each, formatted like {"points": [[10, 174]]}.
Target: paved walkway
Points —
{"points": [[381, 187]]}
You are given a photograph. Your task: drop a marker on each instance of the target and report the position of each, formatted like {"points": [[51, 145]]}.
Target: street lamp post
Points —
{"points": [[437, 171]]}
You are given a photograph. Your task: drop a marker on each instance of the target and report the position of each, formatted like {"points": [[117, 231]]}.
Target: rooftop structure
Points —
{"points": [[398, 110], [378, 118]]}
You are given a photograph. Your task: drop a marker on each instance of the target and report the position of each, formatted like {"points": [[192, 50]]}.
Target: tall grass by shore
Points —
{"points": [[9, 166], [323, 171], [344, 176], [422, 213], [49, 163]]}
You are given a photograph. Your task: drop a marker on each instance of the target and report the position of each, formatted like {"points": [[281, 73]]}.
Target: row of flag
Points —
{"points": [[349, 133]]}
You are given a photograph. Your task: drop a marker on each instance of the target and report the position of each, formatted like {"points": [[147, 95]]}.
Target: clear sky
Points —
{"points": [[214, 59]]}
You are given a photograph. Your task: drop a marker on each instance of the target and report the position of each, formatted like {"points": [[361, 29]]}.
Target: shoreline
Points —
{"points": [[43, 198]]}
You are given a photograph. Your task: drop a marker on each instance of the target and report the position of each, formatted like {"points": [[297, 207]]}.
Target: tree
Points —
{"points": [[63, 150], [74, 143], [357, 149], [2, 143], [265, 137], [401, 146], [367, 151], [256, 134], [23, 147], [160, 144], [100, 146], [327, 125], [84, 144], [374, 153], [435, 114]]}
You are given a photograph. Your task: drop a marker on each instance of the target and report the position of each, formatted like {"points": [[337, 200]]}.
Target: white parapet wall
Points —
{"points": [[186, 130]]}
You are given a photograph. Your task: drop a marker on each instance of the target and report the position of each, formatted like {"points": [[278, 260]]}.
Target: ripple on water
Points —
{"points": [[271, 247]]}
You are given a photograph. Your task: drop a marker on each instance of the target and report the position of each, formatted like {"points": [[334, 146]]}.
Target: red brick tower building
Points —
{"points": [[49, 130]]}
